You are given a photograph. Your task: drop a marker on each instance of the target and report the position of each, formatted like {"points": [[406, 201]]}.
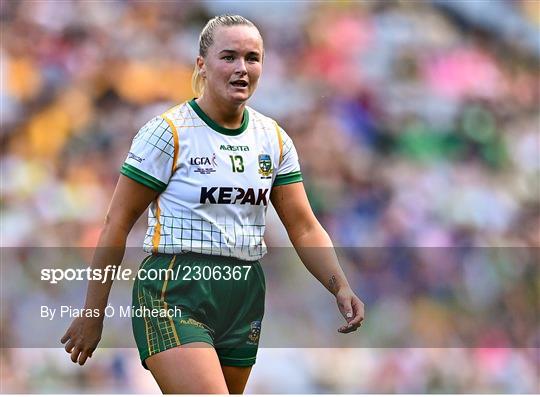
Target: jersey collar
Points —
{"points": [[215, 126]]}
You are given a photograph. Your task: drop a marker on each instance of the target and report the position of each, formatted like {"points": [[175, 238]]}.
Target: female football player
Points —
{"points": [[208, 168]]}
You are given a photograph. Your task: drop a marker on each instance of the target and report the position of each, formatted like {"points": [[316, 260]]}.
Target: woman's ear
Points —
{"points": [[202, 66]]}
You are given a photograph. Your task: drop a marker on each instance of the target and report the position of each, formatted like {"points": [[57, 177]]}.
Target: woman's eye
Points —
{"points": [[228, 57]]}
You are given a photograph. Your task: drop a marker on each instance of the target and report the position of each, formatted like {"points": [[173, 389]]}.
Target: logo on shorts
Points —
{"points": [[254, 333], [192, 322], [265, 166]]}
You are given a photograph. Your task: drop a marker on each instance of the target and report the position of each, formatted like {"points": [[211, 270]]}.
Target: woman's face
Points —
{"points": [[233, 64]]}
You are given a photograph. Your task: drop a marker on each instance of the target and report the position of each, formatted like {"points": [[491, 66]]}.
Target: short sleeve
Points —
{"points": [[151, 156], [288, 170]]}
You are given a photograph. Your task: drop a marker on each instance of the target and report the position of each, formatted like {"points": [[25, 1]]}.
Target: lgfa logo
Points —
{"points": [[203, 160], [205, 165]]}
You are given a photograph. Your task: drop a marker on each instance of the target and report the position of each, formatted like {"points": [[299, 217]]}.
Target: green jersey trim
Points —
{"points": [[142, 177], [291, 177], [215, 126]]}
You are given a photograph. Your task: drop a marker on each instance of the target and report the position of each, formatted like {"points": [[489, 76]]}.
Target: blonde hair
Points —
{"points": [[206, 39]]}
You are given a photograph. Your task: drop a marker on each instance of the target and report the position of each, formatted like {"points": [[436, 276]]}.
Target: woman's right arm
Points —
{"points": [[129, 200]]}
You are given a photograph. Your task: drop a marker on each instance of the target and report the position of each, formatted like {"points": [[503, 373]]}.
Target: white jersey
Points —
{"points": [[214, 182]]}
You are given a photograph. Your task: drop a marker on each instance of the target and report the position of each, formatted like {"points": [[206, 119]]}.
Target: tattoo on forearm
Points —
{"points": [[332, 284]]}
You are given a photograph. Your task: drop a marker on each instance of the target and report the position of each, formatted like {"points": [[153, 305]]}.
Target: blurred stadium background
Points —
{"points": [[416, 123]]}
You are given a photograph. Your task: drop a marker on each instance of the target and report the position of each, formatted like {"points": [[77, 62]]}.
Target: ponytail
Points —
{"points": [[197, 82]]}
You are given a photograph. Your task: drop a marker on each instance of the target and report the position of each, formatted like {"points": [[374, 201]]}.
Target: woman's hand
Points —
{"points": [[82, 337], [352, 309], [129, 201]]}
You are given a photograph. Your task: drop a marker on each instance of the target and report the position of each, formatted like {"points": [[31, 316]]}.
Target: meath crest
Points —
{"points": [[255, 332], [265, 166]]}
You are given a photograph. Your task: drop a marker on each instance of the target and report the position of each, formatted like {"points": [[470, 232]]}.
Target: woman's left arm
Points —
{"points": [[315, 249]]}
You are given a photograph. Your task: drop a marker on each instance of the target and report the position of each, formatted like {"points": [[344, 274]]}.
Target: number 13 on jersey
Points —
{"points": [[237, 163]]}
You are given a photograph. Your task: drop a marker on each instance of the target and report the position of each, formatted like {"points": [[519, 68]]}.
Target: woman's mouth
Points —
{"points": [[239, 84]]}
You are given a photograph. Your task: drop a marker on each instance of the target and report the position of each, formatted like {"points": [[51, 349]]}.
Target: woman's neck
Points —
{"points": [[226, 115]]}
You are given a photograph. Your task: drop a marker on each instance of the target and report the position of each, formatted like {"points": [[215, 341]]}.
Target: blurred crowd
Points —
{"points": [[416, 124]]}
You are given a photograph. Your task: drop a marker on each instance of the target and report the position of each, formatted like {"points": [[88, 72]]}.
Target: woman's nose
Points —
{"points": [[240, 67]]}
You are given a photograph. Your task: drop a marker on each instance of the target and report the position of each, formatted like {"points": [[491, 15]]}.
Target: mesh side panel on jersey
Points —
{"points": [[189, 114], [152, 221], [183, 116], [191, 233], [287, 147], [160, 138]]}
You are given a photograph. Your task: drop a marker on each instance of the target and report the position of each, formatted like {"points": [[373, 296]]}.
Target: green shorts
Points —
{"points": [[185, 298]]}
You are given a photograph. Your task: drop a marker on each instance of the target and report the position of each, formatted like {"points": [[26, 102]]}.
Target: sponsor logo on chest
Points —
{"points": [[233, 195], [234, 148]]}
